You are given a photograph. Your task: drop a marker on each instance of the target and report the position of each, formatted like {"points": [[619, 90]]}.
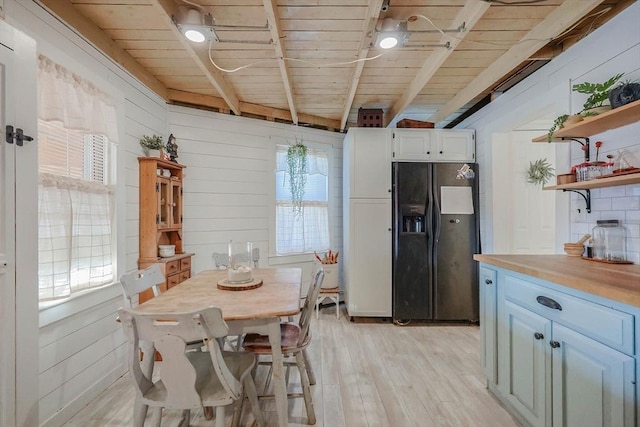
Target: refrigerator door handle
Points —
{"points": [[436, 217]]}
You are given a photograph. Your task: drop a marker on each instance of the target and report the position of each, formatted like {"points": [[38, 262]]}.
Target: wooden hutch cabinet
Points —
{"points": [[161, 220]]}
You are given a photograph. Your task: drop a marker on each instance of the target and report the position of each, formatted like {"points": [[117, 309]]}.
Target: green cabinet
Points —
{"points": [[592, 383], [488, 323], [564, 358], [525, 362]]}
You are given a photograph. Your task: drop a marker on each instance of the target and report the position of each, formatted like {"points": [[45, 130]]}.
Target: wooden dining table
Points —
{"points": [[255, 310]]}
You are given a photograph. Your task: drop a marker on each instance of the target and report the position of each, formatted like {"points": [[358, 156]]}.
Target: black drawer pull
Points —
{"points": [[538, 336], [554, 344], [548, 302], [488, 281]]}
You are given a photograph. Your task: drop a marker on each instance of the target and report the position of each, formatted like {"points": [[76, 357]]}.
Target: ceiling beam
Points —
{"points": [[469, 16], [368, 29], [271, 8], [197, 99], [565, 15], [201, 57], [65, 10]]}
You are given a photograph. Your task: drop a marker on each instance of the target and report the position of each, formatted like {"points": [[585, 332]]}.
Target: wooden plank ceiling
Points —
{"points": [[309, 62]]}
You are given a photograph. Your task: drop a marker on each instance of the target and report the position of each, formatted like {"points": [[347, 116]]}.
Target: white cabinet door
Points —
{"points": [[455, 146], [593, 385], [368, 281], [413, 145], [368, 151], [488, 323], [525, 362]]}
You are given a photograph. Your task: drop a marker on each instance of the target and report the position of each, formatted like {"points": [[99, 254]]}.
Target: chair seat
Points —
{"points": [[289, 337]]}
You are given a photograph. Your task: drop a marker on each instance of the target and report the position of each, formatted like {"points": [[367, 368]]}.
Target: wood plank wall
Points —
{"points": [[229, 182]]}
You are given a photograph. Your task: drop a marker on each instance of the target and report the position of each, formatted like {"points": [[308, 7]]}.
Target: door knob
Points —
{"points": [[488, 281], [538, 336], [554, 344]]}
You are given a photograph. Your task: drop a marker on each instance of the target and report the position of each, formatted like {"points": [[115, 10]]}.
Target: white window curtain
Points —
{"points": [[68, 98], [76, 133], [308, 232]]}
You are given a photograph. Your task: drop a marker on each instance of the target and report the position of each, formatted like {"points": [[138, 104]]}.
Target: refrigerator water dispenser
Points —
{"points": [[413, 219]]}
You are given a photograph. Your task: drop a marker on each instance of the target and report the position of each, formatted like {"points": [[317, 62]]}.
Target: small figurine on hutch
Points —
{"points": [[172, 148]]}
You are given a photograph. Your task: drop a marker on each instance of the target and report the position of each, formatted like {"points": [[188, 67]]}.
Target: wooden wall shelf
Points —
{"points": [[616, 118], [599, 183]]}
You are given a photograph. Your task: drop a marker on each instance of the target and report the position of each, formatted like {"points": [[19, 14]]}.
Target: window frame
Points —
{"points": [[278, 259]]}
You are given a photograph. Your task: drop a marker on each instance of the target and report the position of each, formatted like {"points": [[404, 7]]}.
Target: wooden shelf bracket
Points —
{"points": [[586, 197]]}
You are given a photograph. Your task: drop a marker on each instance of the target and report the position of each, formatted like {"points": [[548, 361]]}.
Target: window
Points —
{"points": [[77, 137], [76, 250], [309, 231]]}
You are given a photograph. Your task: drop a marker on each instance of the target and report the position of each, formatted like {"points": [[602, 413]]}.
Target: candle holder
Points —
{"points": [[240, 269]]}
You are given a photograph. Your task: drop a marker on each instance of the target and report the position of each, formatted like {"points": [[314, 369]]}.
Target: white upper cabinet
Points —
{"points": [[367, 163], [413, 145], [455, 146], [433, 145]]}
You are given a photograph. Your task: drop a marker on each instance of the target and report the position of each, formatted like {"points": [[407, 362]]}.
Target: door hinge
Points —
{"points": [[157, 219], [157, 187], [18, 135]]}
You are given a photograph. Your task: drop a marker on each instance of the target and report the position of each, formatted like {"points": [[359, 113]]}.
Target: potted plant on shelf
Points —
{"points": [[152, 145], [558, 123], [625, 93], [297, 164], [598, 93]]}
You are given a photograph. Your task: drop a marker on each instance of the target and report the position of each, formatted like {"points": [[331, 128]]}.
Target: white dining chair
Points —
{"points": [[295, 338], [138, 281], [188, 380]]}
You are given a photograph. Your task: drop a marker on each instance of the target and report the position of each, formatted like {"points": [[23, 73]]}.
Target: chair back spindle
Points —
{"points": [[309, 303]]}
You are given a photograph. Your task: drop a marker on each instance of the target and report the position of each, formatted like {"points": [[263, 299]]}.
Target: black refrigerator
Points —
{"points": [[435, 234]]}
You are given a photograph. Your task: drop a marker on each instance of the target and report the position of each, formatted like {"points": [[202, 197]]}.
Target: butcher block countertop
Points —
{"points": [[618, 282]]}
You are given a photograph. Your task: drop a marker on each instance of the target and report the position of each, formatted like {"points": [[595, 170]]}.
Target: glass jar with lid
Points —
{"points": [[609, 239]]}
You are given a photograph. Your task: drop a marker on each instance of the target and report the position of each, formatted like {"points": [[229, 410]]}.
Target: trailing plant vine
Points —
{"points": [[297, 164]]}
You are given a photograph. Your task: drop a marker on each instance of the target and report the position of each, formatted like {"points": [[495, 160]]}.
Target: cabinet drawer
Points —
{"points": [[173, 280], [172, 267], [604, 324], [185, 264], [184, 275]]}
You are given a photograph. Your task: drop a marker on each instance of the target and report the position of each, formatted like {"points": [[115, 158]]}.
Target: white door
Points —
{"points": [[18, 233], [7, 247], [524, 215]]}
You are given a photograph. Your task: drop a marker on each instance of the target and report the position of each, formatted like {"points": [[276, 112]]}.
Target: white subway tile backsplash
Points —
{"points": [[633, 217], [632, 190], [612, 192], [633, 230], [601, 204], [626, 203]]}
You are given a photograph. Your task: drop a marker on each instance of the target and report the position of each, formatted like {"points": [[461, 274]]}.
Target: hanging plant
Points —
{"points": [[297, 164], [539, 172]]}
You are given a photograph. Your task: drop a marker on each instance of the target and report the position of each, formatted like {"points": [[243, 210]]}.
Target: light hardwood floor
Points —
{"points": [[369, 374]]}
